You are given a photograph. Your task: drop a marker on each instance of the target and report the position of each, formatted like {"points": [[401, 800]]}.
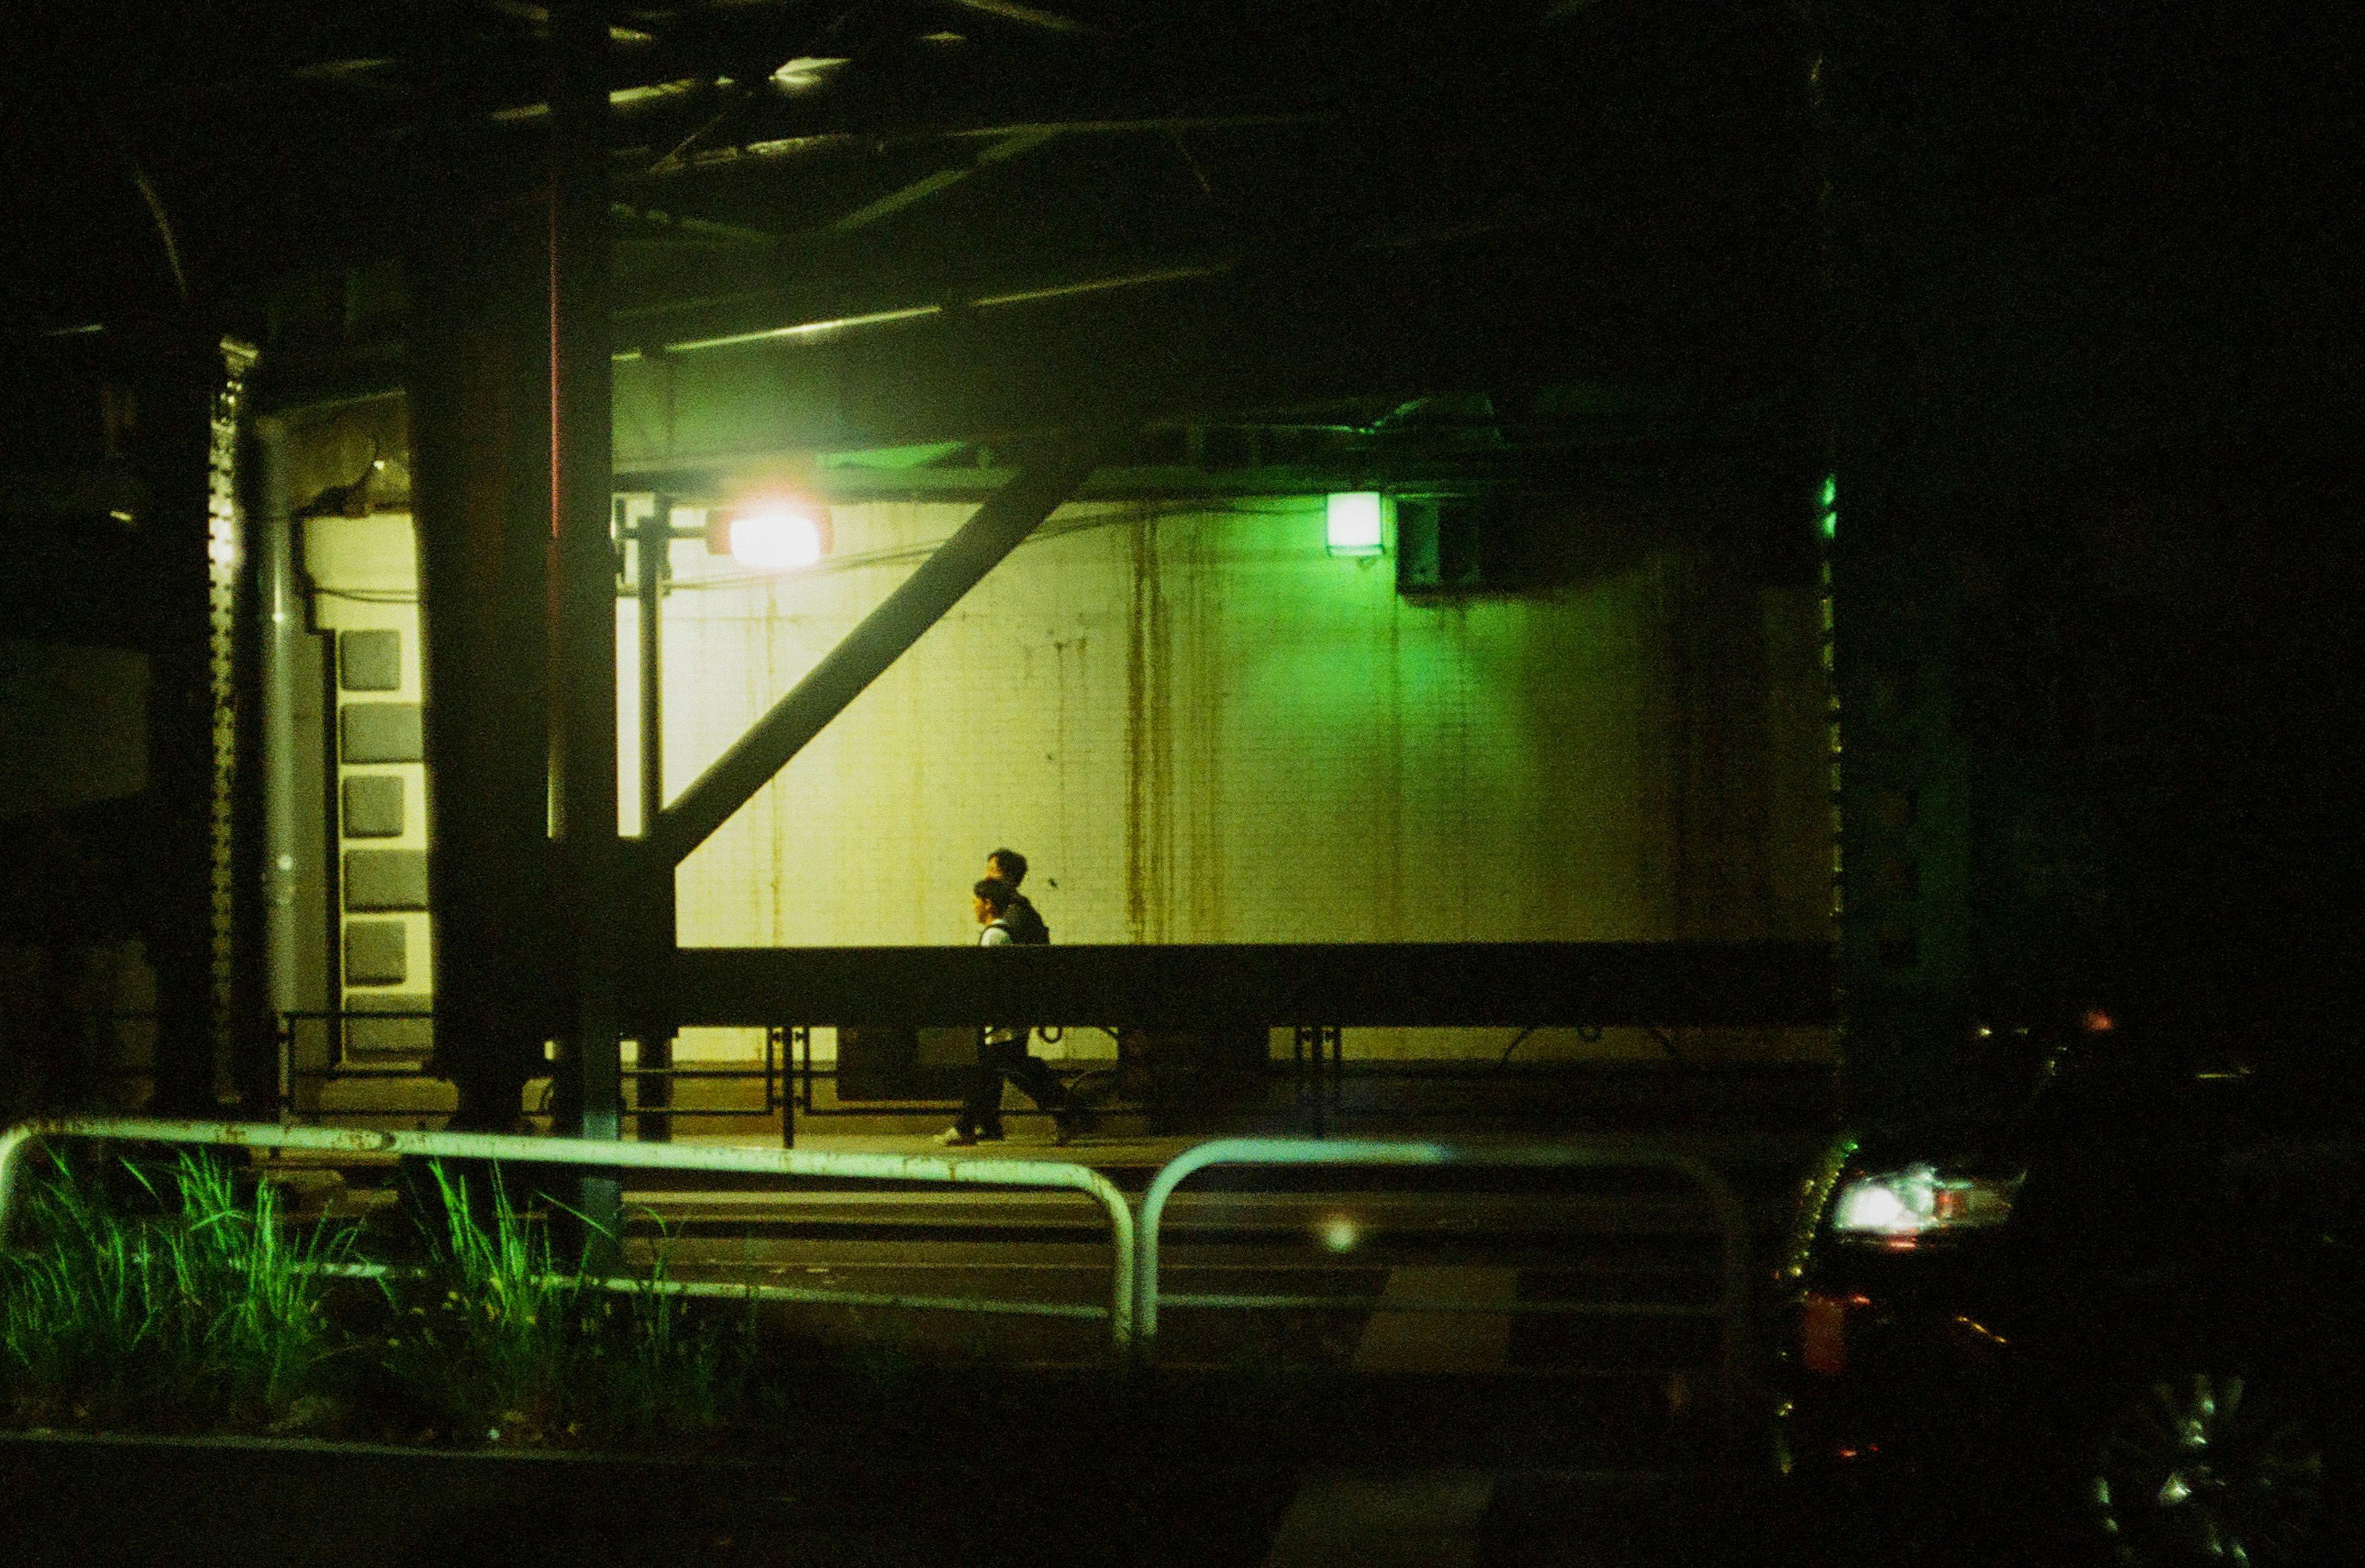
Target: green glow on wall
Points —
{"points": [[1827, 518], [1355, 523]]}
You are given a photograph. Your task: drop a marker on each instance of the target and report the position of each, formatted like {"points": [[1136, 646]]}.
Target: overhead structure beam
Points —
{"points": [[1350, 984], [773, 149], [920, 190], [843, 674]]}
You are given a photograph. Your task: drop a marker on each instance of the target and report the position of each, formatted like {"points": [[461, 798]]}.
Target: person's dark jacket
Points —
{"points": [[1026, 926]]}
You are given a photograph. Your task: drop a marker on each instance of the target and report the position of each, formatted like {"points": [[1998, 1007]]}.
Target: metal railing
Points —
{"points": [[920, 1170], [344, 1065], [1731, 1307], [1135, 1294]]}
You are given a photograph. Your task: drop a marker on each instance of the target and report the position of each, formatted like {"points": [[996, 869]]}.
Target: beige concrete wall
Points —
{"points": [[365, 572], [1202, 727]]}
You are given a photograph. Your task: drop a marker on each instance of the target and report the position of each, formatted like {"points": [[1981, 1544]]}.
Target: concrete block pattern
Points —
{"points": [[379, 732], [369, 661], [374, 806], [385, 880], [389, 1037], [378, 952]]}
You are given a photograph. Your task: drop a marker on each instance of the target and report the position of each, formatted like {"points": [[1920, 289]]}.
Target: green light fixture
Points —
{"points": [[1356, 523], [1827, 517]]}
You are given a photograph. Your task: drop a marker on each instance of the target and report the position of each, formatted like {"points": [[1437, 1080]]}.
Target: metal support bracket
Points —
{"points": [[846, 671]]}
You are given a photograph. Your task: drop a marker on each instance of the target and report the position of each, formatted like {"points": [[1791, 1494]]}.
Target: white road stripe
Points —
{"points": [[1425, 1520], [1439, 1342]]}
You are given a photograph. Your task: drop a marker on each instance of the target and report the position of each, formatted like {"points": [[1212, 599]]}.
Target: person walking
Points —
{"points": [[1025, 926], [1002, 1047]]}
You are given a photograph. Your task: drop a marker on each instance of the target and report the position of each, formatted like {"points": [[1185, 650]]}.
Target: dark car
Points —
{"points": [[2107, 1311]]}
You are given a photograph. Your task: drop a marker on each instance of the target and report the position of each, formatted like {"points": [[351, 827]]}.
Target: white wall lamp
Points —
{"points": [[1356, 522], [778, 533]]}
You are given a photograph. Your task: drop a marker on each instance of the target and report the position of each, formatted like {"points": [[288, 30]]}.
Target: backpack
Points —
{"points": [[1025, 925]]}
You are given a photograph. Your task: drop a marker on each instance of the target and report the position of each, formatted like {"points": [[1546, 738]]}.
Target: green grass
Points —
{"points": [[187, 1301], [515, 1348], [487, 1343], [198, 1306], [209, 1306]]}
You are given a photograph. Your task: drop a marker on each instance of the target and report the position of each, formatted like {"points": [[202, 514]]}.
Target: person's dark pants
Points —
{"points": [[998, 1059]]}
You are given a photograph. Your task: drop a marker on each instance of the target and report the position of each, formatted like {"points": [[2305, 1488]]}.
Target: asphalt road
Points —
{"points": [[1534, 1254], [102, 1503]]}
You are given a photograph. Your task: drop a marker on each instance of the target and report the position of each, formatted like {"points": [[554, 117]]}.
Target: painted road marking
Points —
{"points": [[1424, 1519], [1439, 1342]]}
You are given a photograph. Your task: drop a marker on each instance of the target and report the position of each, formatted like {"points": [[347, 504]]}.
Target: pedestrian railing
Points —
{"points": [[918, 1169], [1731, 1308]]}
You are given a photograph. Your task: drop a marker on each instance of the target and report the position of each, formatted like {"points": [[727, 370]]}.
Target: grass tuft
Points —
{"points": [[491, 1349], [207, 1307], [209, 1312]]}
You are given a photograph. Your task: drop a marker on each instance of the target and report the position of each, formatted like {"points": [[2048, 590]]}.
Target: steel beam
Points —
{"points": [[1361, 985], [652, 921], [582, 605], [478, 403], [917, 603]]}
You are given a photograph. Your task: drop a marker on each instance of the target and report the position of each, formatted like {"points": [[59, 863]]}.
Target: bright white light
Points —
{"points": [[1354, 522], [1918, 1199], [1339, 1234], [1871, 1206], [804, 73], [775, 539]]}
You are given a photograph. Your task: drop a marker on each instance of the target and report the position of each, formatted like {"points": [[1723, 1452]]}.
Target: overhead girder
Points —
{"points": [[305, 132], [1375, 325], [1347, 984]]}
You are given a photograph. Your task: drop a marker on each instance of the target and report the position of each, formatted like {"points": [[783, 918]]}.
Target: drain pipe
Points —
{"points": [[281, 612]]}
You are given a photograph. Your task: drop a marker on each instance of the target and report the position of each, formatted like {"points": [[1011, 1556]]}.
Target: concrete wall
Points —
{"points": [[1202, 727], [365, 573]]}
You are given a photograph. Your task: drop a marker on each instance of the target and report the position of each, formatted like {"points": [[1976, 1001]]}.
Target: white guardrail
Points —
{"points": [[1731, 1305], [584, 1152]]}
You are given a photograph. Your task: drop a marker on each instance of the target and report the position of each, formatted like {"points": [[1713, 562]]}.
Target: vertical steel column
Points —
{"points": [[654, 546], [241, 1052], [479, 387], [582, 606]]}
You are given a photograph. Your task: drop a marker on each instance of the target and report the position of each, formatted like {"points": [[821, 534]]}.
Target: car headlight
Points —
{"points": [[1920, 1199]]}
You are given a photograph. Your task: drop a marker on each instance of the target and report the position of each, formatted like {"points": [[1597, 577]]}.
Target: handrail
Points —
{"points": [[511, 1148], [1731, 1223]]}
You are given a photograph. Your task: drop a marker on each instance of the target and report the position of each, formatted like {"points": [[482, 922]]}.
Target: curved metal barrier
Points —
{"points": [[584, 1152], [1731, 1307]]}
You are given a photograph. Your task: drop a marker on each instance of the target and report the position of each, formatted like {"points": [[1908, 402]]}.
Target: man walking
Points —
{"points": [[1025, 926], [1002, 1047]]}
